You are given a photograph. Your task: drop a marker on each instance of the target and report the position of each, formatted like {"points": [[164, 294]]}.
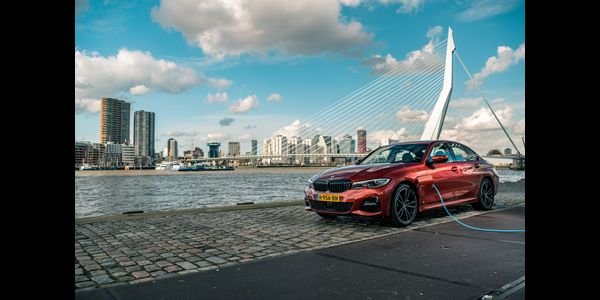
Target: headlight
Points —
{"points": [[371, 183], [312, 179]]}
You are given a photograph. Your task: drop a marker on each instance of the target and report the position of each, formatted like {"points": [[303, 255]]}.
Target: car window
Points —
{"points": [[441, 149], [401, 153], [462, 153]]}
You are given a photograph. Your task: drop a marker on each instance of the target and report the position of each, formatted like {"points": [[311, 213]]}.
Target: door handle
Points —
{"points": [[454, 169], [476, 166]]}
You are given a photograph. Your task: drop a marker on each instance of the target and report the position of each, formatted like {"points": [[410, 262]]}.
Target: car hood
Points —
{"points": [[359, 172]]}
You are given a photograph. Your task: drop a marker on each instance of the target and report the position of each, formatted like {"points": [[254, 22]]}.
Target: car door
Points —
{"points": [[467, 175], [444, 175]]}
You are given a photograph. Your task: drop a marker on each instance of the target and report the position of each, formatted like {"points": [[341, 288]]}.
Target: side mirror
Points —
{"points": [[439, 159]]}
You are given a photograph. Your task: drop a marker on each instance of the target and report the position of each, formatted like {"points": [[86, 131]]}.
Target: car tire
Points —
{"points": [[485, 195], [327, 216], [405, 205]]}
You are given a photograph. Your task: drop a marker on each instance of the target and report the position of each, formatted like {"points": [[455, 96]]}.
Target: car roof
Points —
{"points": [[424, 142]]}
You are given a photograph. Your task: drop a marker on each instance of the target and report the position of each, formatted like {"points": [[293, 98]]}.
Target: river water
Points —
{"points": [[114, 192]]}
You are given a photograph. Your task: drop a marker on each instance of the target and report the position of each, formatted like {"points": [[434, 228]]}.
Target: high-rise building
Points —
{"points": [[114, 121], [280, 145], [213, 149], [172, 149], [361, 136], [234, 149], [198, 153], [254, 147], [267, 146], [143, 134], [347, 144], [128, 155], [81, 151]]}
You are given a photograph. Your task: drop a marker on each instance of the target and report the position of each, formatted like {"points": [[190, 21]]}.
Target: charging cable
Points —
{"points": [[469, 226]]}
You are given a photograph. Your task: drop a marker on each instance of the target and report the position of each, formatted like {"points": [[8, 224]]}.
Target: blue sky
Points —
{"points": [[180, 58]]}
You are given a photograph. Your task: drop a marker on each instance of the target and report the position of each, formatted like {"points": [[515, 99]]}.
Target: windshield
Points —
{"points": [[404, 153]]}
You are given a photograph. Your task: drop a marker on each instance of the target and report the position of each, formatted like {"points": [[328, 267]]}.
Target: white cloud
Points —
{"points": [[351, 3], [465, 103], [217, 97], [377, 136], [97, 76], [407, 115], [417, 60], [519, 127], [224, 28], [179, 133], [220, 83], [246, 137], [497, 64], [274, 97], [294, 129], [244, 105], [130, 71], [226, 121], [406, 6], [139, 90], [480, 130], [482, 119], [481, 9], [87, 105], [215, 137]]}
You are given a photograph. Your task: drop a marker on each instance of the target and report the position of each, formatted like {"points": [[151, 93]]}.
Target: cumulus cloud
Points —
{"points": [[87, 105], [250, 127], [407, 115], [226, 121], [406, 6], [402, 134], [481, 9], [139, 90], [244, 105], [465, 103], [215, 137], [274, 97], [136, 72], [519, 127], [294, 129], [179, 133], [246, 137], [217, 97], [225, 28], [351, 3], [482, 119], [415, 61], [497, 64], [220, 83]]}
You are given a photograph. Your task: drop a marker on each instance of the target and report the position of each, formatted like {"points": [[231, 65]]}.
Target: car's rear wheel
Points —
{"points": [[405, 205], [486, 195], [327, 216]]}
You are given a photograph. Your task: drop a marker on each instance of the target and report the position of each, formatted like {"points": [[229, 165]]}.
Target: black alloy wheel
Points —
{"points": [[405, 205], [486, 195]]}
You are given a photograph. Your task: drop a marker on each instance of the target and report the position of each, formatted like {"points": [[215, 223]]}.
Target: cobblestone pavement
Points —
{"points": [[130, 251]]}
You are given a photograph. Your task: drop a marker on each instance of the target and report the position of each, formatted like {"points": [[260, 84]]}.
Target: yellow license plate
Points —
{"points": [[329, 197]]}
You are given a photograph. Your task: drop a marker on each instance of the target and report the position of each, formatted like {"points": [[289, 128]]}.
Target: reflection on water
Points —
{"points": [[113, 192]]}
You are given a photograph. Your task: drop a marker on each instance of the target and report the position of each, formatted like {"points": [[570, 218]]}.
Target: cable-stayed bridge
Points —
{"points": [[408, 102]]}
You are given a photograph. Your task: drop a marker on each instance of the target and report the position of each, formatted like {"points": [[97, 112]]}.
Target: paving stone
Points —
{"points": [[140, 274], [84, 284], [186, 265], [102, 279]]}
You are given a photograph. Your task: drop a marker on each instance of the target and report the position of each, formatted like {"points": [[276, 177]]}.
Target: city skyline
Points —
{"points": [[205, 91]]}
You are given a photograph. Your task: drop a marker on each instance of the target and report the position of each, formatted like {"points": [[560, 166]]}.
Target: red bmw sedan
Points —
{"points": [[395, 182]]}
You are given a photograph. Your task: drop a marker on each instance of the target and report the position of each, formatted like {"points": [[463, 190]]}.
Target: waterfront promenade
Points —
{"points": [[130, 249]]}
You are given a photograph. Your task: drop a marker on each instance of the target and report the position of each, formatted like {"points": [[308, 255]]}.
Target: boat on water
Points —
{"points": [[169, 166], [196, 168]]}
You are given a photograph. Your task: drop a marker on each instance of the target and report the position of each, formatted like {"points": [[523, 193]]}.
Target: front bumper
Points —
{"points": [[362, 202]]}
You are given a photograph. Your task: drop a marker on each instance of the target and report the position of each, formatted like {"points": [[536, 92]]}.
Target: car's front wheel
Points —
{"points": [[405, 205], [486, 195]]}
